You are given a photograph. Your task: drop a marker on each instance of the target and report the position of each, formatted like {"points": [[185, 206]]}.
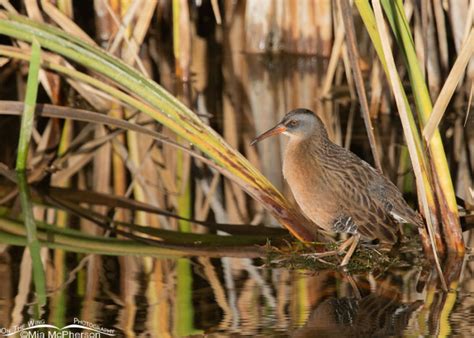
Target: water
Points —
{"points": [[232, 297]]}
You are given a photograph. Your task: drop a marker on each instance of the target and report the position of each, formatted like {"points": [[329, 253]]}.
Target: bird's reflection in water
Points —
{"points": [[378, 314]]}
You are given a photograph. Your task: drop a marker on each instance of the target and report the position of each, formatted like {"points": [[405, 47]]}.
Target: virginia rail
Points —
{"points": [[336, 189]]}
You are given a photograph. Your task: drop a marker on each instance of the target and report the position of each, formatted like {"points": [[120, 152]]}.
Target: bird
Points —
{"points": [[337, 190]]}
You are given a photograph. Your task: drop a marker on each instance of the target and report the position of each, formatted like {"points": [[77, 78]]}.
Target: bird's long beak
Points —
{"points": [[278, 129]]}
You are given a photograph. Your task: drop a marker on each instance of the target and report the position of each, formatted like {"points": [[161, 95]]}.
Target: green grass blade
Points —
{"points": [[28, 116], [73, 240]]}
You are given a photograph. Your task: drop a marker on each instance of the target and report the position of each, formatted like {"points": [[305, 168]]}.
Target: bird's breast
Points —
{"points": [[307, 182]]}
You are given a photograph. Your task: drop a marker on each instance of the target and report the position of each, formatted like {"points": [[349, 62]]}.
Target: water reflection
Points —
{"points": [[380, 312], [370, 316], [229, 296], [131, 291]]}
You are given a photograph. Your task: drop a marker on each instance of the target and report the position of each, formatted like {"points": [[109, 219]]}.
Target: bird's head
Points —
{"points": [[298, 124]]}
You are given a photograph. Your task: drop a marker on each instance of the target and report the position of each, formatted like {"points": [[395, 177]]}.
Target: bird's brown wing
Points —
{"points": [[374, 203], [392, 201]]}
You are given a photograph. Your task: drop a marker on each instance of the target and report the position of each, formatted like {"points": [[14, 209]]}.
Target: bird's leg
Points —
{"points": [[350, 243], [353, 245], [341, 248]]}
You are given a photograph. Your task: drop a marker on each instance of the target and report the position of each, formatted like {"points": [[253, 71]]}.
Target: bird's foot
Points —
{"points": [[352, 244]]}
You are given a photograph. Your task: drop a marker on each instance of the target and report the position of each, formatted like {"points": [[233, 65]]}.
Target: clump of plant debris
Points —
{"points": [[318, 256]]}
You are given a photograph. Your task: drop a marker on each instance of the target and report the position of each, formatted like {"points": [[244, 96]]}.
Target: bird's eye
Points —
{"points": [[292, 123]]}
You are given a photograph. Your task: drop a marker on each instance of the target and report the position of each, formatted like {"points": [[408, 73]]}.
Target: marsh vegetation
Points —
{"points": [[138, 203]]}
